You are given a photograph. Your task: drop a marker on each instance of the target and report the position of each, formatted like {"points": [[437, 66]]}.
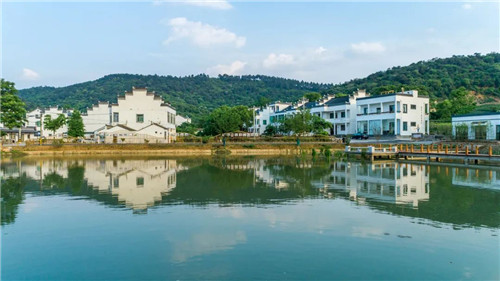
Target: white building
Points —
{"points": [[485, 126], [400, 114], [139, 116], [36, 118], [262, 116], [179, 120], [96, 118]]}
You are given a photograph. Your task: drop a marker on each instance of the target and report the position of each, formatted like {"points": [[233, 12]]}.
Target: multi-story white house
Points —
{"points": [[138, 116], [485, 126], [400, 114], [262, 116], [54, 112]]}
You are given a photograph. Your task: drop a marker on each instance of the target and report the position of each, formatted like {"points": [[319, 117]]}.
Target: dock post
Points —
{"points": [[446, 150], [477, 150], [467, 150], [421, 148], [456, 149], [490, 151], [438, 149], [428, 149], [406, 148]]}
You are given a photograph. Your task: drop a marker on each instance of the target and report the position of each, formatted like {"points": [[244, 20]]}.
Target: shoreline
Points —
{"points": [[170, 150]]}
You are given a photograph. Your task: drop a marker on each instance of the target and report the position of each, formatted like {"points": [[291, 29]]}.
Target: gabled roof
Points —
{"points": [[153, 124]]}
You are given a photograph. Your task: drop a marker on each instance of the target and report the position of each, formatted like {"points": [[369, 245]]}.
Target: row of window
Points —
{"points": [[139, 118]]}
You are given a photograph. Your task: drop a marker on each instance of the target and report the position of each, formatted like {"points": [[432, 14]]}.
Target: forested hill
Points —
{"points": [[191, 95], [197, 95], [436, 78]]}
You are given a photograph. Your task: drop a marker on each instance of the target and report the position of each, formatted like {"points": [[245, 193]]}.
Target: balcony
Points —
{"points": [[379, 112]]}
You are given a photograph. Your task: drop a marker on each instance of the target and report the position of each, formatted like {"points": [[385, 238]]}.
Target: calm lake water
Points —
{"points": [[247, 218]]}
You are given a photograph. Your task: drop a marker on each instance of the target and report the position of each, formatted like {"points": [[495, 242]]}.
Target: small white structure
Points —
{"points": [[399, 114], [96, 118], [179, 120], [484, 126]]}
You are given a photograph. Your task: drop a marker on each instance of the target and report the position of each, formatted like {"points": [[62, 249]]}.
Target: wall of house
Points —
{"points": [[139, 101], [54, 112], [97, 117], [491, 121]]}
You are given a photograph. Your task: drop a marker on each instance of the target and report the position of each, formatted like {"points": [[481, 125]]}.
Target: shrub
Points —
{"points": [[328, 152], [313, 152]]}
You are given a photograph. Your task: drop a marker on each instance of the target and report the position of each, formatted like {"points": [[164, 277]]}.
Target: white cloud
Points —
{"points": [[274, 60], [368, 47], [201, 34], [466, 6], [29, 74], [234, 68], [213, 4], [320, 50]]}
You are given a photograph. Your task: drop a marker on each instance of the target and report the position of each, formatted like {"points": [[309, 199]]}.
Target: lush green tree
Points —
{"points": [[54, 124], [263, 101], [319, 125], [313, 96], [75, 125], [460, 102], [187, 128], [13, 111], [303, 122], [227, 119], [272, 130]]}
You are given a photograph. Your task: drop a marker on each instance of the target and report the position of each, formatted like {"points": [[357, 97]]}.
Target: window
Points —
{"points": [[342, 114], [116, 182], [405, 126], [342, 127], [116, 117], [139, 181], [413, 124], [405, 108], [391, 108], [365, 110], [264, 122], [378, 110], [413, 106], [139, 118], [331, 115], [426, 108]]}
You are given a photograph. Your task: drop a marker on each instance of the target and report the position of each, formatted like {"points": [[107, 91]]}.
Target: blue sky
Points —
{"points": [[62, 43]]}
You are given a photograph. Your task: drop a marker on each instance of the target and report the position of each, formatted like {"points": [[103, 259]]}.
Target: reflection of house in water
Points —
{"points": [[137, 183], [37, 170], [476, 178], [389, 182], [264, 173]]}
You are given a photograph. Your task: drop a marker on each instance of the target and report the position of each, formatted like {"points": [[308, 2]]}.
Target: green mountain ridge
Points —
{"points": [[196, 95]]}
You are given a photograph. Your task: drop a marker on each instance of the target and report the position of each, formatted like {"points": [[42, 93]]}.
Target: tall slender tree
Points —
{"points": [[75, 125]]}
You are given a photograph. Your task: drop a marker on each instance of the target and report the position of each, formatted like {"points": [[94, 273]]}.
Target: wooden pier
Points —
{"points": [[461, 153]]}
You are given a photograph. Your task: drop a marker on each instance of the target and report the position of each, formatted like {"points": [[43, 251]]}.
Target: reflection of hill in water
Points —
{"points": [[415, 191]]}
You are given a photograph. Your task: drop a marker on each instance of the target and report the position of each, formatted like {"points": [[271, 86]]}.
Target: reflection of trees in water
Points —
{"points": [[234, 181], [12, 195]]}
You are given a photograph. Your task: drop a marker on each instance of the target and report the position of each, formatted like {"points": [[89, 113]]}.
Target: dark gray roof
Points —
{"points": [[337, 101], [477, 114]]}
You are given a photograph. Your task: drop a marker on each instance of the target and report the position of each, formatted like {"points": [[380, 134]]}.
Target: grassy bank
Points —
{"points": [[177, 149]]}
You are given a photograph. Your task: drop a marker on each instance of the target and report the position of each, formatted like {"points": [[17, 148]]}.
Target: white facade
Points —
{"points": [[476, 123], [262, 116], [96, 118], [400, 114], [131, 118], [140, 108], [179, 120]]}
